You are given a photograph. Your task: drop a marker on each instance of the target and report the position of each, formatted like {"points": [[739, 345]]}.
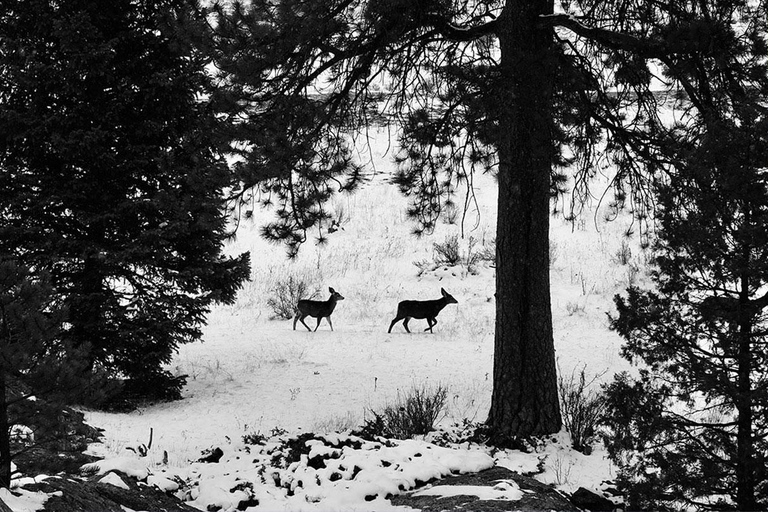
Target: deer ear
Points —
{"points": [[331, 290], [442, 290]]}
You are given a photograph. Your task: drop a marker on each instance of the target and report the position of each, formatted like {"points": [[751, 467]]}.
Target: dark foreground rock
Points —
{"points": [[588, 500], [542, 497], [90, 495], [79, 495]]}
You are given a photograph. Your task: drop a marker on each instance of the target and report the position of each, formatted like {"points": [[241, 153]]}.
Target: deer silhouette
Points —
{"points": [[317, 309], [428, 309]]}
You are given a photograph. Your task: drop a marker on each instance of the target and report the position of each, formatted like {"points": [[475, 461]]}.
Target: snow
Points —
{"points": [[114, 479], [503, 490], [21, 500], [352, 478], [255, 375], [131, 466]]}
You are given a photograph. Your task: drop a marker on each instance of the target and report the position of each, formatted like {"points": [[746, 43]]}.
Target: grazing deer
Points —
{"points": [[428, 309], [317, 309]]}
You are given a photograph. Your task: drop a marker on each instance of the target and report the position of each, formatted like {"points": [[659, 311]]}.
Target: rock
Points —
{"points": [[586, 499], [213, 455], [536, 495], [93, 496]]}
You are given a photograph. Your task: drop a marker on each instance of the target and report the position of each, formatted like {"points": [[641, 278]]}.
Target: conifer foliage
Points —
{"points": [[310, 78], [39, 372], [691, 429], [514, 89], [111, 177], [521, 90]]}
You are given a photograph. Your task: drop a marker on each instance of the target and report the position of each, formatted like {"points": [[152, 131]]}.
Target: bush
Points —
{"points": [[448, 252], [572, 307], [414, 413], [582, 409], [288, 292], [623, 254], [488, 252]]}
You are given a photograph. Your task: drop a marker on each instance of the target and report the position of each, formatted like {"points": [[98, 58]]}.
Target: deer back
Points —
{"points": [[320, 308]]}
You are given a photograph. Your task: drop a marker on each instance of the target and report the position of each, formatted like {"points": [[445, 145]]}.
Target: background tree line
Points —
{"points": [[113, 134]]}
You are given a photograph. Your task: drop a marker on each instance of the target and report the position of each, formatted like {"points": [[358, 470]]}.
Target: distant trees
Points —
{"points": [[111, 178], [510, 88], [690, 430]]}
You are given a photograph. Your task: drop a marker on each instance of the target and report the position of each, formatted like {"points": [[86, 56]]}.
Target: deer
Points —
{"points": [[317, 309], [428, 309]]}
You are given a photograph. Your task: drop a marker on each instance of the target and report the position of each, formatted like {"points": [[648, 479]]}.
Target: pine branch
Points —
{"points": [[611, 39]]}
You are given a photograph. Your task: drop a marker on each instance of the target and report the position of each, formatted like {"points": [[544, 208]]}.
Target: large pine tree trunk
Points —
{"points": [[745, 456], [524, 400]]}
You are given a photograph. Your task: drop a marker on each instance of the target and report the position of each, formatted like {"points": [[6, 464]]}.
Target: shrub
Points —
{"points": [[413, 413], [287, 293], [254, 438], [472, 257], [623, 254], [572, 307], [582, 409], [488, 251], [423, 266], [448, 252], [337, 423], [466, 431]]}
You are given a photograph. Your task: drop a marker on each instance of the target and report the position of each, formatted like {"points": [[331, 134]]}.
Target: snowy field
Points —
{"points": [[253, 374]]}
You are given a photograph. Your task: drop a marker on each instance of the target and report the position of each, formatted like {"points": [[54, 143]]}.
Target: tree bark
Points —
{"points": [[524, 400], [745, 456]]}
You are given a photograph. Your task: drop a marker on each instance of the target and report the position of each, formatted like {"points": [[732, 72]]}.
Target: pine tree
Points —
{"points": [[112, 176], [508, 88], [39, 373], [690, 429]]}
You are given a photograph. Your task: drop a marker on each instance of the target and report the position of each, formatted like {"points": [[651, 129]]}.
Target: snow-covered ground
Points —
{"points": [[254, 374]]}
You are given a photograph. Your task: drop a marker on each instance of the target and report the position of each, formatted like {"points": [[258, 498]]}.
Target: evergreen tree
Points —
{"points": [[690, 430], [510, 88], [111, 176], [39, 373]]}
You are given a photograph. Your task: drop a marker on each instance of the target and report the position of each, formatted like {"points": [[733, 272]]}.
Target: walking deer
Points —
{"points": [[317, 309], [428, 309]]}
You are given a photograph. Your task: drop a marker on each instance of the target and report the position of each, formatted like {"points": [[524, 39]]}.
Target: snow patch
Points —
{"points": [[114, 479], [131, 466], [21, 500], [503, 490]]}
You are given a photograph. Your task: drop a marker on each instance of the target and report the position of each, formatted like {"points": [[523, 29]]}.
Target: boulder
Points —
{"points": [[80, 495], [588, 500], [536, 495]]}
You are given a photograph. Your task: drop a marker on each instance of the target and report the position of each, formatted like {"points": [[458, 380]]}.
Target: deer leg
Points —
{"points": [[301, 319], [318, 322], [432, 322], [397, 319], [295, 319], [405, 324], [330, 323]]}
